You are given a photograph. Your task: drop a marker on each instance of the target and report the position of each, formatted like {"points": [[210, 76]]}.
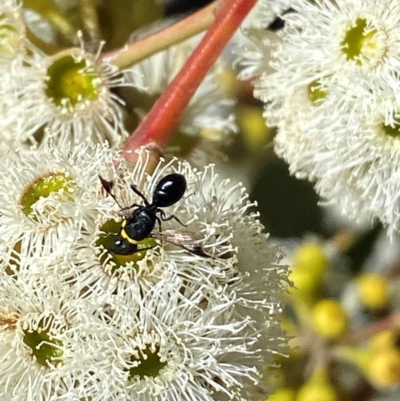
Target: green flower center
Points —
{"points": [[44, 346], [316, 94], [72, 82], [149, 362], [111, 229], [44, 187], [392, 131], [361, 42]]}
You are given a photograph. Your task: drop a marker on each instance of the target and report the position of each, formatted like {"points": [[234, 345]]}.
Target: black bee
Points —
{"points": [[139, 223]]}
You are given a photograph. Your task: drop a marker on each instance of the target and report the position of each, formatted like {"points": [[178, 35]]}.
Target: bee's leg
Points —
{"points": [[138, 193], [159, 223], [166, 218]]}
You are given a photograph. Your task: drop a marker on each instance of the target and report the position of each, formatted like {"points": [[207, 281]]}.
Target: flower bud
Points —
{"points": [[318, 388], [309, 267], [282, 394], [311, 256], [329, 319], [384, 367], [373, 291]]}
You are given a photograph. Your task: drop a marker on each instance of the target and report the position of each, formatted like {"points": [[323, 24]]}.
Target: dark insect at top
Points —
{"points": [[169, 190], [140, 222]]}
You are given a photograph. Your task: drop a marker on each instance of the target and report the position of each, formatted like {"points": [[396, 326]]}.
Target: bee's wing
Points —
{"points": [[184, 239]]}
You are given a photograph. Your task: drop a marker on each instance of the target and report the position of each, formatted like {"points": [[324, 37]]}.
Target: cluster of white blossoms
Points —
{"points": [[330, 83], [194, 320], [78, 96], [189, 313]]}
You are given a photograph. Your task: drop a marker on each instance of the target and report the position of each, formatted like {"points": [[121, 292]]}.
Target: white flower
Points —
{"points": [[45, 197], [66, 97], [63, 97], [47, 338], [358, 161], [335, 82], [343, 47], [74, 99], [175, 348], [351, 44], [309, 138]]}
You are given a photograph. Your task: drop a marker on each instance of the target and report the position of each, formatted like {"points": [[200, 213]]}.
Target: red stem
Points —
{"points": [[159, 124]]}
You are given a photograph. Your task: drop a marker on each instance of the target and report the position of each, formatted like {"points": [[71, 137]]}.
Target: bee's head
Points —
{"points": [[123, 247]]}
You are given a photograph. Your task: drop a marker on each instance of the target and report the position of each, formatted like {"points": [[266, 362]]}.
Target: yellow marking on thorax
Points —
{"points": [[125, 236]]}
